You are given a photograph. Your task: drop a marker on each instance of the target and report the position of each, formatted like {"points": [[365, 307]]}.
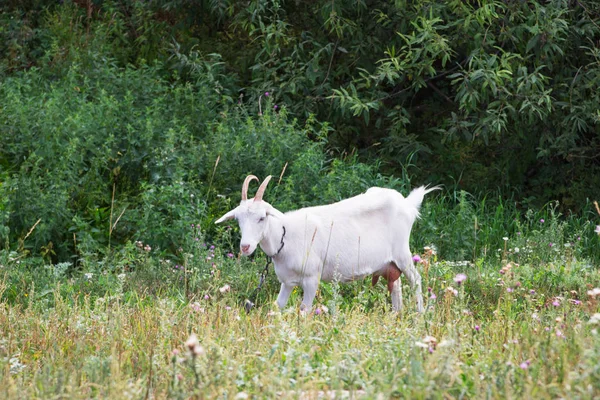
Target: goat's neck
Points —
{"points": [[271, 241]]}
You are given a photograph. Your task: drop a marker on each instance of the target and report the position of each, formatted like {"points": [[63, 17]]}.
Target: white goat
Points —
{"points": [[364, 235]]}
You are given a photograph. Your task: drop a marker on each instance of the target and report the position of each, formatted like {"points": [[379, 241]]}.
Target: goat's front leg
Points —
{"points": [[284, 295], [309, 286]]}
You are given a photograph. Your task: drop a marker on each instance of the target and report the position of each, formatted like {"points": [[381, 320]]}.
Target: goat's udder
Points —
{"points": [[391, 273]]}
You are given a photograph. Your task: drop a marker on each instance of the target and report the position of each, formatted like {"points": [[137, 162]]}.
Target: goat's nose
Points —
{"points": [[245, 247]]}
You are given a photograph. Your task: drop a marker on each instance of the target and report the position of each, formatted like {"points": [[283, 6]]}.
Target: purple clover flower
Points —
{"points": [[524, 365]]}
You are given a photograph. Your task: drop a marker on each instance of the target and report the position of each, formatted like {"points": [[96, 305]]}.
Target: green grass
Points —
{"points": [[114, 324], [111, 336]]}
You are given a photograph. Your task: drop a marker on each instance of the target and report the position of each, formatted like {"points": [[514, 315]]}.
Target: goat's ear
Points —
{"points": [[229, 215]]}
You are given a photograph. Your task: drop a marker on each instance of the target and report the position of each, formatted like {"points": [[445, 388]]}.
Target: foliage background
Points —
{"points": [[126, 120]]}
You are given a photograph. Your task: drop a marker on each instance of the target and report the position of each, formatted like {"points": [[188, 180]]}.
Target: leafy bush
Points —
{"points": [[125, 154], [111, 135]]}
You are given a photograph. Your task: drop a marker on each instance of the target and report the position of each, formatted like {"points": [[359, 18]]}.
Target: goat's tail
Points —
{"points": [[415, 199]]}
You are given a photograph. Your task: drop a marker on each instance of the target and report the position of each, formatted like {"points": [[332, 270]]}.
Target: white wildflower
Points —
{"points": [[15, 364], [594, 292], [225, 289], [450, 289], [192, 341], [446, 343], [430, 340]]}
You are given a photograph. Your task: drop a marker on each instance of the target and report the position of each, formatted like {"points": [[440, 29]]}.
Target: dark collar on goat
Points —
{"points": [[282, 244]]}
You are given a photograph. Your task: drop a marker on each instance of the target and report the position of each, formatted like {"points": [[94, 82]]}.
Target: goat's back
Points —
{"points": [[376, 200]]}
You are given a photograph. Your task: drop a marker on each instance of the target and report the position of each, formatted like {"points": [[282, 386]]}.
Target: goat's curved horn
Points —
{"points": [[247, 181], [261, 189]]}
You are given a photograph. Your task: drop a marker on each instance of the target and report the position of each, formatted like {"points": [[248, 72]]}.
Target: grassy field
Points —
{"points": [[510, 330], [127, 128]]}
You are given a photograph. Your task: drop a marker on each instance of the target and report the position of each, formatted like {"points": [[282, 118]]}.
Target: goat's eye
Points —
{"points": [[261, 219]]}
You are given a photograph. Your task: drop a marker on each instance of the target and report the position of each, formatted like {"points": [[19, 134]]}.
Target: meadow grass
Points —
{"points": [[521, 323], [509, 331]]}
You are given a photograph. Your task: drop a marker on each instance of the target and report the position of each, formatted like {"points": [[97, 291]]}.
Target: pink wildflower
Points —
{"points": [[460, 278]]}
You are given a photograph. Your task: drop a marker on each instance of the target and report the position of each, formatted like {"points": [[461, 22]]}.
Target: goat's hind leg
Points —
{"points": [[392, 275], [396, 294], [406, 266]]}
